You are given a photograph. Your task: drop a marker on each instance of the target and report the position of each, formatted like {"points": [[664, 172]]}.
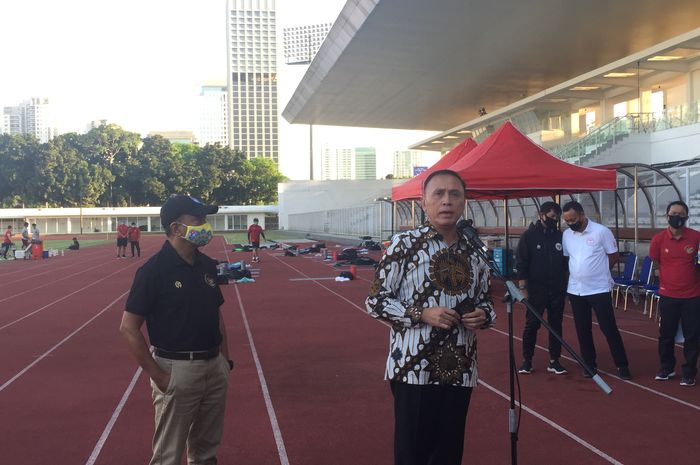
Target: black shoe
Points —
{"points": [[556, 367], [526, 367], [624, 373], [664, 375], [687, 381]]}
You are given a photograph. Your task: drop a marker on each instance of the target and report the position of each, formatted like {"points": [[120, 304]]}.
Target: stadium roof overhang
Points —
{"points": [[414, 64]]}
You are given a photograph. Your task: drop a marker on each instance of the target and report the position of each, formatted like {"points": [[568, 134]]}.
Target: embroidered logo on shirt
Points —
{"points": [[558, 246], [178, 284], [209, 280], [689, 249], [450, 272]]}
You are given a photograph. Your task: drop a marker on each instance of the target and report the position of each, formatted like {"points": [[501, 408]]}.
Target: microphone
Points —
{"points": [[466, 229]]}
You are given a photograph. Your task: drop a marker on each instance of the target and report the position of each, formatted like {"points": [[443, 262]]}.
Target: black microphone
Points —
{"points": [[467, 230]]}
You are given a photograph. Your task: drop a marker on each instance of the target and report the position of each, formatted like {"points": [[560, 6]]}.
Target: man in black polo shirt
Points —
{"points": [[176, 294]]}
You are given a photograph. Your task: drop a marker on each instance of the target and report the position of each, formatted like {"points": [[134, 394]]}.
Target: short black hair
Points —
{"points": [[443, 173], [677, 202], [573, 205], [255, 220], [547, 207]]}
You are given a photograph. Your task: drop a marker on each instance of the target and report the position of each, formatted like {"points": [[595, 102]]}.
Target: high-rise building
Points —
{"points": [[406, 160], [33, 117], [252, 77], [365, 163], [348, 163], [213, 116], [302, 42]]}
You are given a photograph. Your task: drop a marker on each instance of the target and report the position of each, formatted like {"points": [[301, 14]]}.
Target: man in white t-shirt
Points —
{"points": [[592, 251]]}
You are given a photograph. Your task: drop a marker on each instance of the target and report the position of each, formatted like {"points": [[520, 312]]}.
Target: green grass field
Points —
{"points": [[242, 238], [63, 244]]}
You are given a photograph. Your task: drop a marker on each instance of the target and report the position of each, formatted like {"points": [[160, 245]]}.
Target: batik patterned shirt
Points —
{"points": [[420, 270]]}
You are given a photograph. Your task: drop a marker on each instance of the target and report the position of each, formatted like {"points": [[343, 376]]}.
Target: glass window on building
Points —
{"points": [[272, 222], [238, 222]]}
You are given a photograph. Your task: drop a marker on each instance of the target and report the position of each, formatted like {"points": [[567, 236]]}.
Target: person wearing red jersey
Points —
{"points": [[6, 241], [676, 250], [134, 235], [122, 238], [254, 233]]}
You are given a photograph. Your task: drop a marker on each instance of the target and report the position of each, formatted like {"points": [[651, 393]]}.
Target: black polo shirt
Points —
{"points": [[179, 301]]}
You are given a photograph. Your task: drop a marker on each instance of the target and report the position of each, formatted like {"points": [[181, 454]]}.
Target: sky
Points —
{"points": [[141, 64]]}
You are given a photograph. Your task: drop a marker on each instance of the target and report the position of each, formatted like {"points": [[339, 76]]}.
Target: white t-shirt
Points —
{"points": [[589, 269]]}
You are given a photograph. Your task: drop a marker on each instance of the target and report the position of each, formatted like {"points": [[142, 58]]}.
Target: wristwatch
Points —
{"points": [[230, 364]]}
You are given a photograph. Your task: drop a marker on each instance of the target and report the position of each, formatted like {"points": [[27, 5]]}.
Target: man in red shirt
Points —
{"points": [[122, 238], [134, 235], [676, 251], [7, 241], [254, 233]]}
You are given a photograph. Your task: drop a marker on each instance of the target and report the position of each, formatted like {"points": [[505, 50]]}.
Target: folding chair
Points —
{"points": [[638, 284], [627, 275]]}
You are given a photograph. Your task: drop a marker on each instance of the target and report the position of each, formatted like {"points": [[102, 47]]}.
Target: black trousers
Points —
{"points": [[687, 311], [135, 245], [429, 423], [602, 305], [553, 301]]}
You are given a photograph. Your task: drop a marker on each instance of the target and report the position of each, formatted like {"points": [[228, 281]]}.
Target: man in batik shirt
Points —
{"points": [[434, 291]]}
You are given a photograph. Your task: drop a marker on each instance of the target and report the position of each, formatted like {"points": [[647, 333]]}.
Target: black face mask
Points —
{"points": [[576, 226], [676, 221], [550, 224]]}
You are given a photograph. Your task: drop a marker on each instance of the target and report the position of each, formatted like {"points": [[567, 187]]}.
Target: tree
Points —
{"points": [[111, 147], [255, 183]]}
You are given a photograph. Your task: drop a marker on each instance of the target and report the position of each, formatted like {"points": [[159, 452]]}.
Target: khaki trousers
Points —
{"points": [[190, 411]]}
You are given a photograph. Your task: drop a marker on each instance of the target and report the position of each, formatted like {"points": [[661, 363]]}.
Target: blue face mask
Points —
{"points": [[199, 235]]}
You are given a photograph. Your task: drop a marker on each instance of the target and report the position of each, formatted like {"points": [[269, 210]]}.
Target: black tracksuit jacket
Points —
{"points": [[540, 259]]}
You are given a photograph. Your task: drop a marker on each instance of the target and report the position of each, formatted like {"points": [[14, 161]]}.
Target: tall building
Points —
{"points": [[365, 163], [404, 161], [213, 116], [348, 163], [252, 77], [33, 117], [302, 42]]}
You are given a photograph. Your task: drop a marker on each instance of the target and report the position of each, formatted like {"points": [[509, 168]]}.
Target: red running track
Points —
{"points": [[307, 388]]}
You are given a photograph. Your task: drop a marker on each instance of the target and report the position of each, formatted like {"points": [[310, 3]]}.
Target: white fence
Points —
{"points": [[369, 220]]}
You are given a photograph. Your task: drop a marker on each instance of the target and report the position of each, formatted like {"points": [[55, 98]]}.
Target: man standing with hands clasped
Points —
{"points": [[542, 275], [176, 294], [434, 291], [592, 252], [676, 252]]}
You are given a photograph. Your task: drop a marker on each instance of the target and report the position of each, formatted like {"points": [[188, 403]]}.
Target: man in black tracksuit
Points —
{"points": [[542, 274]]}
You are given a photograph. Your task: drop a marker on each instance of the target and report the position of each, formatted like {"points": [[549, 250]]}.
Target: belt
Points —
{"points": [[195, 355]]}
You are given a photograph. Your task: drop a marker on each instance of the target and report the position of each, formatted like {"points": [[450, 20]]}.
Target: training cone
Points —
{"points": [[353, 271], [335, 256]]}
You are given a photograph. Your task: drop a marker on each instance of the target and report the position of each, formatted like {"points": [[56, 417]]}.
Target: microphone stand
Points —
{"points": [[514, 294]]}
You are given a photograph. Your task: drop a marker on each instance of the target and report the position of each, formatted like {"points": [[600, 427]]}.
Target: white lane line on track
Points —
{"points": [[59, 344], [62, 298], [276, 431], [281, 450], [50, 283], [32, 275], [115, 415], [641, 386], [556, 426]]}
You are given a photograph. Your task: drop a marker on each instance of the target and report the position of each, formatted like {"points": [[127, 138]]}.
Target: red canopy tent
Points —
{"points": [[508, 165], [413, 188]]}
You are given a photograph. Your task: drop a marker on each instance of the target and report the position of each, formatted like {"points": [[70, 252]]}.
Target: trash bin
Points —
{"points": [[37, 251]]}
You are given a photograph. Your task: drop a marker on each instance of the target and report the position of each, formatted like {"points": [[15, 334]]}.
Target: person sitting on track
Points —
{"points": [[75, 245]]}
